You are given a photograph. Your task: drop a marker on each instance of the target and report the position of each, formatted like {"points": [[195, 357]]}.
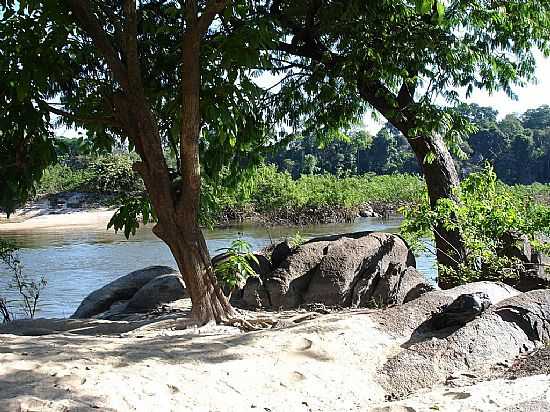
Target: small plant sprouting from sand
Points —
{"points": [[236, 267], [29, 289]]}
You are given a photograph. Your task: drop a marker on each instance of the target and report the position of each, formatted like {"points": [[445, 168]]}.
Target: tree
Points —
{"points": [[167, 77], [538, 118], [397, 56], [389, 153], [310, 164]]}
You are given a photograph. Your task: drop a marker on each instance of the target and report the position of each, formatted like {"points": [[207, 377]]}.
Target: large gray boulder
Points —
{"points": [[161, 290], [285, 286], [121, 289], [413, 317], [512, 326], [354, 269]]}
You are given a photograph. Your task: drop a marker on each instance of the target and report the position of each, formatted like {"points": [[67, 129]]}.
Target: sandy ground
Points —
{"points": [[316, 365], [40, 218], [328, 363]]}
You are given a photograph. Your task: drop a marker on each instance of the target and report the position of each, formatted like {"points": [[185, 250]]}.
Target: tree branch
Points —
{"points": [[104, 120], [131, 47], [213, 7], [91, 25], [300, 51]]}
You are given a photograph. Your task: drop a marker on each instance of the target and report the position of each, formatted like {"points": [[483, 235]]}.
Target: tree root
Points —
{"points": [[251, 324], [254, 324]]}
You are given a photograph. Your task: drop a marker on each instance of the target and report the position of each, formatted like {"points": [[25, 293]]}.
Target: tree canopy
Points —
{"points": [[175, 80], [51, 74], [507, 144]]}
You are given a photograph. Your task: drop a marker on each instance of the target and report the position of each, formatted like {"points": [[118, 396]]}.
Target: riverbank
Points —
{"points": [[35, 218], [39, 215], [311, 362], [265, 196]]}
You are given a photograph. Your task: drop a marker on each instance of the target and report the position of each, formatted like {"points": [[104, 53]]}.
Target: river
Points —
{"points": [[77, 261]]}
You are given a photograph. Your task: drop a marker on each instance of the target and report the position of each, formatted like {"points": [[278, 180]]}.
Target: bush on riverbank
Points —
{"points": [[268, 191], [108, 174], [495, 221]]}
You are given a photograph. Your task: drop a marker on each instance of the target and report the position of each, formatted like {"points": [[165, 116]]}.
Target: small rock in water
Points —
{"points": [[461, 311]]}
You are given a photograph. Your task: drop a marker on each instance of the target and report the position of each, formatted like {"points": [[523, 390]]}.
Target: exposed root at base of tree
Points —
{"points": [[249, 325], [253, 324]]}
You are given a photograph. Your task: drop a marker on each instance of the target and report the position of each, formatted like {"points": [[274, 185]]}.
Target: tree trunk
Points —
{"points": [[440, 173], [191, 253], [441, 179], [177, 210]]}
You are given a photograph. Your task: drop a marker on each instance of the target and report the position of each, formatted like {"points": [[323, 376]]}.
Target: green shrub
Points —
{"points": [[108, 174], [235, 268], [487, 210], [113, 174], [60, 178], [268, 190]]}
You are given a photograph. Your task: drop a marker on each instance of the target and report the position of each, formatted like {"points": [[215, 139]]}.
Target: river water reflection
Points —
{"points": [[80, 260]]}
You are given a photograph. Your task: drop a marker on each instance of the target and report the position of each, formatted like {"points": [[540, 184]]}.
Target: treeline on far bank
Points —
{"points": [[517, 146], [265, 194], [307, 182]]}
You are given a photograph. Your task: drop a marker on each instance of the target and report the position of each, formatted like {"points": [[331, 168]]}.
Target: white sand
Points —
{"points": [[65, 218], [325, 364]]}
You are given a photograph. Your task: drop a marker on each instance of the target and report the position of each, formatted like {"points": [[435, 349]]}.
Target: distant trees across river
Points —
{"points": [[518, 147]]}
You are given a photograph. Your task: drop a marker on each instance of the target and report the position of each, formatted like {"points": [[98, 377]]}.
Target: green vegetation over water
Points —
{"points": [[269, 189], [265, 191]]}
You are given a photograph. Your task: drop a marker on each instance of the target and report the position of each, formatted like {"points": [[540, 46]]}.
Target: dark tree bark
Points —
{"points": [[177, 210], [439, 173], [441, 180]]}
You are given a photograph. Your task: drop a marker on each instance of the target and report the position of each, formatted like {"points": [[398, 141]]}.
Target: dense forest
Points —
{"points": [[518, 147]]}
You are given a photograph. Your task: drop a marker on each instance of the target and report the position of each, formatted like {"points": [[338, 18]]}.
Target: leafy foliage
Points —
{"points": [[106, 174], [269, 190], [62, 178], [134, 210], [114, 174], [509, 144], [296, 240], [486, 212], [409, 51], [29, 289], [235, 267]]}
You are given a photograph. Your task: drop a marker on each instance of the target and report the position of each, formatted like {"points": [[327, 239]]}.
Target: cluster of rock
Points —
{"points": [[537, 264], [356, 269], [362, 269], [138, 291], [461, 333]]}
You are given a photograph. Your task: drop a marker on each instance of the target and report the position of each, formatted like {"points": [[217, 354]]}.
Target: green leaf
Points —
{"points": [[424, 6]]}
